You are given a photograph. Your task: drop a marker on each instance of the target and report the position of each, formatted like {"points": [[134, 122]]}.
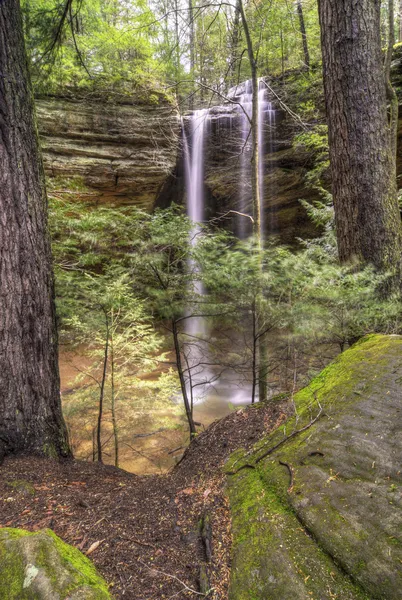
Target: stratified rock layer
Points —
{"points": [[122, 152], [39, 566], [320, 517]]}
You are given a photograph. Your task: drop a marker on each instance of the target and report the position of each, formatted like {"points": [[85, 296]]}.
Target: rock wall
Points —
{"points": [[316, 507], [284, 170], [286, 164], [122, 152]]}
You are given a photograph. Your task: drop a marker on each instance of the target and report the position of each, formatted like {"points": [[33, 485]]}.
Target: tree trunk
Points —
{"points": [[192, 48], [102, 391], [30, 408], [391, 93], [113, 400], [363, 177], [234, 49], [400, 21], [255, 190], [179, 365], [303, 34]]}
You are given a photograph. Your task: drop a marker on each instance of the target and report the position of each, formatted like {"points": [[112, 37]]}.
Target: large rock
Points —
{"points": [[39, 566], [122, 152], [320, 517]]}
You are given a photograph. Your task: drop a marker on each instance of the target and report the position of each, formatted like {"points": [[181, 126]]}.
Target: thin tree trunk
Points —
{"points": [[255, 188], [367, 217], [257, 208], [30, 407], [303, 34], [177, 46], [234, 50], [113, 402], [400, 21], [102, 391], [254, 357], [179, 365], [191, 34], [391, 94], [192, 48], [94, 444]]}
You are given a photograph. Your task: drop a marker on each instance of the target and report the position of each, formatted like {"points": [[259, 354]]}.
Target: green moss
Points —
{"points": [[50, 451], [271, 528], [20, 485], [58, 567], [274, 557]]}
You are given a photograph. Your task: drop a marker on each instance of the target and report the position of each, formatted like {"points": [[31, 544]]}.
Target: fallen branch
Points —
{"points": [[289, 468], [177, 449], [229, 212], [278, 445], [186, 587]]}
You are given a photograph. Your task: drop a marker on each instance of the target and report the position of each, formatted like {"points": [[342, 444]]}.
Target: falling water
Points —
{"points": [[195, 328], [245, 109], [266, 117], [195, 139], [194, 177], [266, 114]]}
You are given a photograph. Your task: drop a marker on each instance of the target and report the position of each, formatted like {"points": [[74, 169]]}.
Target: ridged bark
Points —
{"points": [[363, 175], [30, 408], [303, 34]]}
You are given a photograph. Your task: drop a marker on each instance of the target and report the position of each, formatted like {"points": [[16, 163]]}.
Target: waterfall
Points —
{"points": [[194, 179], [266, 114], [195, 327], [195, 139]]}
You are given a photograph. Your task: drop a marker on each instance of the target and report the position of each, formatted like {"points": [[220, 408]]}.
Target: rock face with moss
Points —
{"points": [[320, 517], [40, 566], [121, 150]]}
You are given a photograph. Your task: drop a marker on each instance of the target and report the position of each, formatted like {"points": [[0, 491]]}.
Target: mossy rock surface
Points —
{"points": [[333, 530], [40, 566]]}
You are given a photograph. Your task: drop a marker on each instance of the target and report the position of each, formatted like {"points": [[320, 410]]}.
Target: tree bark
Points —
{"points": [[363, 176], [187, 407], [30, 407], [391, 93], [234, 46], [102, 389], [113, 397], [257, 207], [191, 35], [400, 21], [303, 34]]}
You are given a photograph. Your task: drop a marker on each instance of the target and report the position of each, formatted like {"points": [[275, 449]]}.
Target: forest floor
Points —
{"points": [[142, 533]]}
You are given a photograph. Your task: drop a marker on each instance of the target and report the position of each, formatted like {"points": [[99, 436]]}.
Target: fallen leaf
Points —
{"points": [[93, 547]]}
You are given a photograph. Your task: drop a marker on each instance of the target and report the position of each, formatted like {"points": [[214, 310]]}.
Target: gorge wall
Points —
{"points": [[122, 151]]}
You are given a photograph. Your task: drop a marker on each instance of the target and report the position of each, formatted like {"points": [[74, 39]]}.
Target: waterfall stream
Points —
{"points": [[195, 146]]}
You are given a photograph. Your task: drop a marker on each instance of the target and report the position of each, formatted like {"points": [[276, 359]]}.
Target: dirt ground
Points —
{"points": [[148, 528]]}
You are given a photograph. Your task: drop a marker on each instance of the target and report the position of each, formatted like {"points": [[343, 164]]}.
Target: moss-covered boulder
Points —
{"points": [[40, 566], [320, 516]]}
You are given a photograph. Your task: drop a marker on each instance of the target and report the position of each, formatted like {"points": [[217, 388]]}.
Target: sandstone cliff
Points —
{"points": [[122, 151]]}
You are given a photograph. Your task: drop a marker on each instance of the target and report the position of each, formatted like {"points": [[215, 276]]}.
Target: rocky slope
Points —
{"points": [[119, 151], [315, 500], [316, 506]]}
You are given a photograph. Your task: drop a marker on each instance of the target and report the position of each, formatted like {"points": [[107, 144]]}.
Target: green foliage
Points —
{"points": [[126, 276], [100, 44]]}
